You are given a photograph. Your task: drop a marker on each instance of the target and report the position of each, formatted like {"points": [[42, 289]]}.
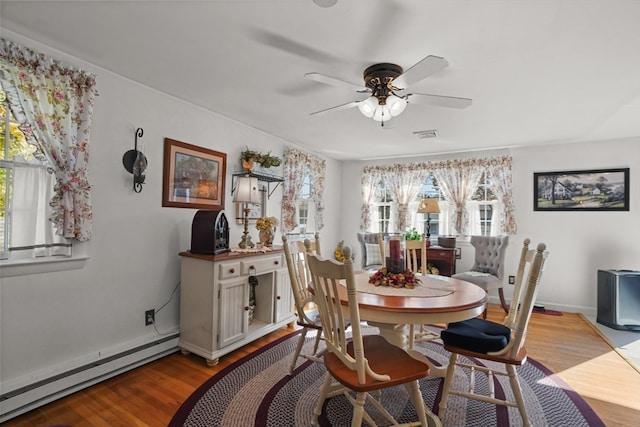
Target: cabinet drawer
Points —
{"points": [[262, 265], [439, 254], [229, 270]]}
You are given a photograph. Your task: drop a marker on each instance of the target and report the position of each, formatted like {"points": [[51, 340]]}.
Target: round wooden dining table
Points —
{"points": [[437, 299]]}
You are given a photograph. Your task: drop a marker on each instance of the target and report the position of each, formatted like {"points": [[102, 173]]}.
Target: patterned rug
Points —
{"points": [[257, 391]]}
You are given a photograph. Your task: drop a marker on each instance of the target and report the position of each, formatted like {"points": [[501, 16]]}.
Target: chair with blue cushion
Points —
{"points": [[488, 266], [503, 343]]}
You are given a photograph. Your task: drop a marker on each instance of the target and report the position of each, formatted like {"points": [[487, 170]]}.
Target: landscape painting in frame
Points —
{"points": [[587, 190], [193, 177]]}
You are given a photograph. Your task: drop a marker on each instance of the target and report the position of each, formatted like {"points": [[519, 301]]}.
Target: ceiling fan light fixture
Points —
{"points": [[396, 105], [382, 113], [368, 106]]}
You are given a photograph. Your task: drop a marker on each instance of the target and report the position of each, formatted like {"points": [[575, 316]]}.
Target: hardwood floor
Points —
{"points": [[150, 395]]}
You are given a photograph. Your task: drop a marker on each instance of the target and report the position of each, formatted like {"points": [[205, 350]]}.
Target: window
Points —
{"points": [[482, 209], [302, 192], [430, 190], [14, 152], [383, 209], [57, 102], [25, 189], [304, 205]]}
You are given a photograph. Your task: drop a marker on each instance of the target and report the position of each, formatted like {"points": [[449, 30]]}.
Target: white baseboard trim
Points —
{"points": [[589, 311], [29, 397]]}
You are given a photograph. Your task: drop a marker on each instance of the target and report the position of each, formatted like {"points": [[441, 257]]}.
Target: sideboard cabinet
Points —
{"points": [[443, 258], [216, 316]]}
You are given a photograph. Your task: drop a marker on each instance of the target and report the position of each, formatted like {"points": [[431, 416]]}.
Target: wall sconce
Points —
{"points": [[135, 163], [246, 192], [428, 206]]}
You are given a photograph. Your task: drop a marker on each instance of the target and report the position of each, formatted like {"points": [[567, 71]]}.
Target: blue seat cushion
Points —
{"points": [[478, 335]]}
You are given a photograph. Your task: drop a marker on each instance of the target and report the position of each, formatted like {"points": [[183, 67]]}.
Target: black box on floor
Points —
{"points": [[619, 299]]}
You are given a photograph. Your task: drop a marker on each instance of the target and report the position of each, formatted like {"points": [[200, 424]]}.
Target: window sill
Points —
{"points": [[39, 266]]}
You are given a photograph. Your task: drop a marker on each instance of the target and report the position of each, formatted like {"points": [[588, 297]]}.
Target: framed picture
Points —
{"points": [[587, 190], [193, 177], [255, 211]]}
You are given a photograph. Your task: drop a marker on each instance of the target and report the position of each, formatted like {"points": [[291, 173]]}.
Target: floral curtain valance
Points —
{"points": [[458, 180], [53, 104], [296, 165]]}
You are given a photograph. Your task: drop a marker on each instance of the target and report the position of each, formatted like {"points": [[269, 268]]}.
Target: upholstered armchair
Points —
{"points": [[488, 267], [371, 250]]}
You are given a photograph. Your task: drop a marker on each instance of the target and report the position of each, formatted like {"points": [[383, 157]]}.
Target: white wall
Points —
{"points": [[57, 321], [579, 243]]}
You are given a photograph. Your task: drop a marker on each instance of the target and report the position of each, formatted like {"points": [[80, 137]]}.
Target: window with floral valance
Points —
{"points": [[52, 105], [304, 175], [458, 184]]}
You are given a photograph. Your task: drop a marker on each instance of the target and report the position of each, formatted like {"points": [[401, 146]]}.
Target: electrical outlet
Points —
{"points": [[149, 317], [512, 280]]}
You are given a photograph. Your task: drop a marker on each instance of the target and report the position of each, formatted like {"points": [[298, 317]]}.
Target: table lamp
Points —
{"points": [[428, 206], [246, 192]]}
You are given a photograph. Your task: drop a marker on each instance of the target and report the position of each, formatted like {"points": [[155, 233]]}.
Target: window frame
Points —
{"points": [[11, 266]]}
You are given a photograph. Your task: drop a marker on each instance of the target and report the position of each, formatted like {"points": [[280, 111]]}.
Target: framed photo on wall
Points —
{"points": [[193, 177], [586, 190]]}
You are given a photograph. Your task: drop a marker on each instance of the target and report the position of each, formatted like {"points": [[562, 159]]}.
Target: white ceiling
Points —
{"points": [[538, 72]]}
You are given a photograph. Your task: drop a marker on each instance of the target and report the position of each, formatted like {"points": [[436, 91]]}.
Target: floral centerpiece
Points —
{"points": [[267, 227], [383, 277]]}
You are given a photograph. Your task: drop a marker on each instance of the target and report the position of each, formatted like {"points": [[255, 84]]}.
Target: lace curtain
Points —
{"points": [[296, 165], [368, 184], [500, 178], [458, 180], [31, 232], [404, 182], [53, 104]]}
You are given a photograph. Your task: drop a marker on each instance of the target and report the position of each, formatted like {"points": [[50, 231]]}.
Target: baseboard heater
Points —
{"points": [[32, 396]]}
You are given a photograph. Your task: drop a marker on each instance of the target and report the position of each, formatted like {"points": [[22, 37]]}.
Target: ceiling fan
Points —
{"points": [[386, 83]]}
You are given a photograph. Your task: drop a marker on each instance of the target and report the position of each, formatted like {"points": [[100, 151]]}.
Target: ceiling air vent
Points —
{"points": [[424, 134]]}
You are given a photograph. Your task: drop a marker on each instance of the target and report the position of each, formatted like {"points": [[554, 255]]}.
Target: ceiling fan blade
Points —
{"points": [[439, 100], [291, 46], [333, 81], [423, 69], [336, 108]]}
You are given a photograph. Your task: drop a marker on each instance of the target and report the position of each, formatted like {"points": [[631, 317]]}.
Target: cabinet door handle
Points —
{"points": [[276, 262], [278, 297], [232, 270], [246, 308]]}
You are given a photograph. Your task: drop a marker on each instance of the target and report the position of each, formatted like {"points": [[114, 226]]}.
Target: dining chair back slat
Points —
{"points": [[417, 255]]}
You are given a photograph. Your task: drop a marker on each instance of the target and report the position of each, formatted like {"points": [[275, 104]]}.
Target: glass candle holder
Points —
{"points": [[394, 250]]}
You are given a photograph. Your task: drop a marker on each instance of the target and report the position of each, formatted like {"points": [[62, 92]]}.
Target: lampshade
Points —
{"points": [[396, 105], [382, 113], [247, 191], [393, 106], [428, 206], [368, 106]]}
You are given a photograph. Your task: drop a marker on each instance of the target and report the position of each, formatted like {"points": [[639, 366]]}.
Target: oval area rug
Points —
{"points": [[258, 391]]}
